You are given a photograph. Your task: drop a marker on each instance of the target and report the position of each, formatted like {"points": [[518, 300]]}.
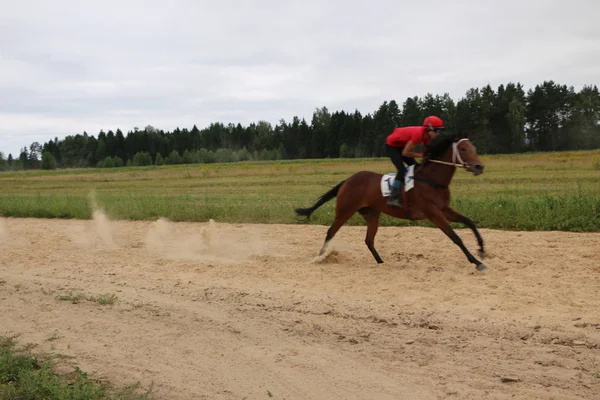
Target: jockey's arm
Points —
{"points": [[407, 152]]}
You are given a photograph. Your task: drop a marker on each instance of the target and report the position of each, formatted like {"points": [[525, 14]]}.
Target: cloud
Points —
{"points": [[70, 66]]}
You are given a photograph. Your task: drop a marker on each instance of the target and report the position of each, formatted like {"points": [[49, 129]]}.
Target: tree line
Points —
{"points": [[508, 119]]}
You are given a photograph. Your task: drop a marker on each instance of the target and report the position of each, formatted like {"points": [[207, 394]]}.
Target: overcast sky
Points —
{"points": [[67, 66]]}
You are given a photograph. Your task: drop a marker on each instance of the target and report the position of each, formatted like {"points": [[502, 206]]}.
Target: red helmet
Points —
{"points": [[433, 121]]}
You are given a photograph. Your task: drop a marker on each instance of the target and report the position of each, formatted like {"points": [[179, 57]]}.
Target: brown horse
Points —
{"points": [[428, 199]]}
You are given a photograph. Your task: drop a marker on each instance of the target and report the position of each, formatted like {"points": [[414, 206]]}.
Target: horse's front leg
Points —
{"points": [[436, 216], [454, 216]]}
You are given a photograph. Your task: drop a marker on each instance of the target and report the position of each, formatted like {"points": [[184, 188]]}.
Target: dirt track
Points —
{"points": [[220, 311]]}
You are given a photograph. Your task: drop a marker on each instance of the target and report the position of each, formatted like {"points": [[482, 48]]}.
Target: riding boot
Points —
{"points": [[396, 198]]}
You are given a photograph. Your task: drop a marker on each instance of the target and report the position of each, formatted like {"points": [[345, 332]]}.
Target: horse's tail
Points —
{"points": [[306, 212]]}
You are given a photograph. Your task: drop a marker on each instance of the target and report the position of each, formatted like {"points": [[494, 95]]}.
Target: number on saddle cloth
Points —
{"points": [[388, 179]]}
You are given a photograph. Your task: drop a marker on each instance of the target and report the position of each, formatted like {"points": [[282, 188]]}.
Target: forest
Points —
{"points": [[506, 119]]}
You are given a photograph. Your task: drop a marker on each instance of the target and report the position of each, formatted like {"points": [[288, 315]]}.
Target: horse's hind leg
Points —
{"points": [[340, 219], [372, 217]]}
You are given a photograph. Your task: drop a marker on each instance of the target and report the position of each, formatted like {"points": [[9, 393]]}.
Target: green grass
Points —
{"points": [[542, 191], [103, 299], [25, 376]]}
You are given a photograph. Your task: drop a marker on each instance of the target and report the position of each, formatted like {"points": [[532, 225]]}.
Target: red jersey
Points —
{"points": [[400, 136]]}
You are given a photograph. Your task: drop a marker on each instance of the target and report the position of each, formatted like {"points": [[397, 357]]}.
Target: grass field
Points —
{"points": [[542, 191]]}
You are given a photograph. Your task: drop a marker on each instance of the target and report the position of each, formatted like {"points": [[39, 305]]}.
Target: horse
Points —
{"points": [[429, 198]]}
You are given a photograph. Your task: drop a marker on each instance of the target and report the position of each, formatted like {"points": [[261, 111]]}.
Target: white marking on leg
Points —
{"points": [[323, 248]]}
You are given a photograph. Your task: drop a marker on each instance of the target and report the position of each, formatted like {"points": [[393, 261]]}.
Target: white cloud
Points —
{"points": [[69, 66]]}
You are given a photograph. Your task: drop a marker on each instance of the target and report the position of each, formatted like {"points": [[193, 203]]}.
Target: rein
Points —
{"points": [[457, 161]]}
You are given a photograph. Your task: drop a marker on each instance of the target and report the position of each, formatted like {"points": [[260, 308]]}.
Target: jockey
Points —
{"points": [[400, 144]]}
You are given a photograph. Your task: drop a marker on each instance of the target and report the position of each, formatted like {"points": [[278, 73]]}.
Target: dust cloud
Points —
{"points": [[335, 253], [169, 240], [213, 242], [96, 234]]}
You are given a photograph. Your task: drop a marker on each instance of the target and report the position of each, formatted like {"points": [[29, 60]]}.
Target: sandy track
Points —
{"points": [[226, 311]]}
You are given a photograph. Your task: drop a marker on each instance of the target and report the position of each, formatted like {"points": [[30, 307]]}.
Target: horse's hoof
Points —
{"points": [[481, 267], [481, 253]]}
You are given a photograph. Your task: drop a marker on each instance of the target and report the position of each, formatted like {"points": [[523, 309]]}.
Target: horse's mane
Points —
{"points": [[440, 144]]}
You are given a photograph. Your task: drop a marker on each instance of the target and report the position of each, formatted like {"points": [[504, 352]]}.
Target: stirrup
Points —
{"points": [[395, 202]]}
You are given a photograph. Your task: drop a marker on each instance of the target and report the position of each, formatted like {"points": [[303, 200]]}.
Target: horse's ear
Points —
{"points": [[464, 135]]}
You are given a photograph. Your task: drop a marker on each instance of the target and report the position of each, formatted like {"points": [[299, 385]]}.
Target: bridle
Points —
{"points": [[457, 160]]}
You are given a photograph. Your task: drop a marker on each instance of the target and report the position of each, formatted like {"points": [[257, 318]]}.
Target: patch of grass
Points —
{"points": [[70, 297], [27, 376], [107, 298], [137, 305], [104, 299], [534, 191]]}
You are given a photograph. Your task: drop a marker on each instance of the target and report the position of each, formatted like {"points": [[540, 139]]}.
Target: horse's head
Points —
{"points": [[456, 150], [467, 153]]}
